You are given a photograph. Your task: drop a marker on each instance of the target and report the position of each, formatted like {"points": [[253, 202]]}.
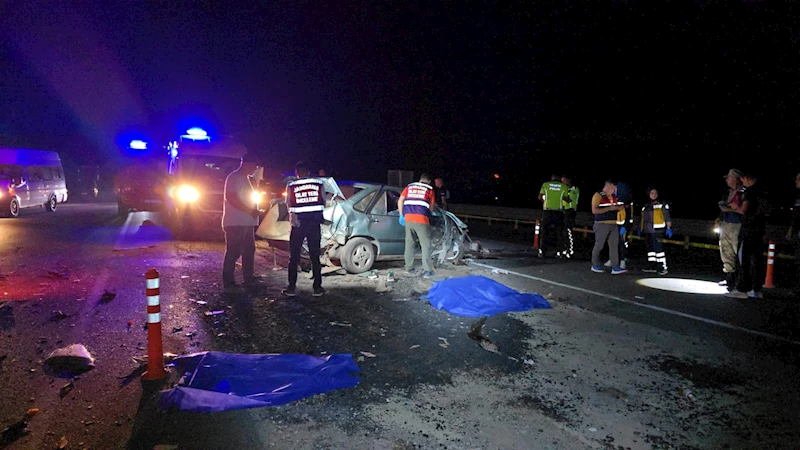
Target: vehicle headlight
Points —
{"points": [[188, 194], [256, 197]]}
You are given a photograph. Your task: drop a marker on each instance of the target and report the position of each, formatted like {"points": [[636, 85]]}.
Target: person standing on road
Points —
{"points": [[415, 206], [570, 205], [305, 199], [655, 222], [754, 210], [553, 194], [239, 219], [605, 207], [728, 224], [442, 194], [624, 217], [793, 235]]}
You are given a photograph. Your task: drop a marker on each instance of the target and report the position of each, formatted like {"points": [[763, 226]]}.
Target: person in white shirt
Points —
{"points": [[239, 219]]}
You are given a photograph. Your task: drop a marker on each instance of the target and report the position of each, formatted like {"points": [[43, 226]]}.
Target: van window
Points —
{"points": [[10, 172], [35, 173], [47, 173]]}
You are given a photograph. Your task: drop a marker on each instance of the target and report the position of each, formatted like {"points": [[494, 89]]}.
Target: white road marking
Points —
{"points": [[643, 305]]}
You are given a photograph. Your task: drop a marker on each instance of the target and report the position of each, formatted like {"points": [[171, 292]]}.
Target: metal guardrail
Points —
{"points": [[687, 228]]}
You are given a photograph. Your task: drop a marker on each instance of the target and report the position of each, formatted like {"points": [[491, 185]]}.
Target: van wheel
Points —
{"points": [[51, 204], [358, 255], [13, 208]]}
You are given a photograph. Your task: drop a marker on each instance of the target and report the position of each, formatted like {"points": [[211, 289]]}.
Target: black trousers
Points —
{"points": [[553, 231], [750, 270], [570, 216], [311, 233], [656, 258], [239, 241]]}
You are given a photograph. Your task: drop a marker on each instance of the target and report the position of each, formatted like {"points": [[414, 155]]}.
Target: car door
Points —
{"points": [[22, 186], [35, 185], [384, 223]]}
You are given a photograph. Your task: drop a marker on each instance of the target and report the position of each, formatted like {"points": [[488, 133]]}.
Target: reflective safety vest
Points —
{"points": [[417, 199], [658, 216], [655, 216], [305, 195], [606, 201]]}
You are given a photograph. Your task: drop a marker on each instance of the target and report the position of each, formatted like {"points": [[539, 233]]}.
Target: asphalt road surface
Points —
{"points": [[614, 363]]}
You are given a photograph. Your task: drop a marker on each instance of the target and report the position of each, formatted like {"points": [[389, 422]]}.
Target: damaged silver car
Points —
{"points": [[362, 226]]}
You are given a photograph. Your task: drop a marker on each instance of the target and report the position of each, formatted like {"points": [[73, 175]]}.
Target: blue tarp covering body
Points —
{"points": [[476, 296], [215, 381]]}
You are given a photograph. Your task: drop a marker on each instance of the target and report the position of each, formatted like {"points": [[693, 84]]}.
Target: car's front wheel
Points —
{"points": [[12, 210], [358, 255]]}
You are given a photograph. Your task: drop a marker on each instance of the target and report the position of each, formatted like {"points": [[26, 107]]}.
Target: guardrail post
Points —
{"points": [[516, 224], [536, 235], [155, 348], [490, 221], [770, 265]]}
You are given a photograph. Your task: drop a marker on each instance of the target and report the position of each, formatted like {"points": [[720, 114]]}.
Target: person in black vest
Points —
{"points": [[305, 199], [754, 210]]}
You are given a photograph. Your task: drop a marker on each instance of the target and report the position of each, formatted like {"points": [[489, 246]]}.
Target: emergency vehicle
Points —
{"points": [[197, 167]]}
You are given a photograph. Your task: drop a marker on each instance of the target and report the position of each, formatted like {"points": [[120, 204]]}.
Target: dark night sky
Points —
{"points": [[673, 94]]}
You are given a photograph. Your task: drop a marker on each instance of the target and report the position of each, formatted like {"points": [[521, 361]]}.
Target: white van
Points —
{"points": [[30, 178]]}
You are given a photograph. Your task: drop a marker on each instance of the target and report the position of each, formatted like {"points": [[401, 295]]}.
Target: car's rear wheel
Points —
{"points": [[52, 202], [358, 255]]}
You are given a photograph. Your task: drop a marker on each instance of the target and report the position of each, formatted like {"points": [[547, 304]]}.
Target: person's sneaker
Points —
{"points": [[427, 274], [608, 263], [623, 264], [318, 292], [754, 294], [598, 269], [723, 283], [289, 291], [736, 294], [618, 270], [663, 272], [412, 272]]}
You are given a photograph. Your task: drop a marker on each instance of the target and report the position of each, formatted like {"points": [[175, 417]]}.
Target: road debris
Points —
{"points": [[368, 354], [107, 296], [58, 275], [199, 302], [72, 360], [444, 343], [66, 389], [214, 313], [59, 315], [414, 346], [17, 429], [339, 324], [499, 272], [381, 288], [62, 443], [177, 329]]}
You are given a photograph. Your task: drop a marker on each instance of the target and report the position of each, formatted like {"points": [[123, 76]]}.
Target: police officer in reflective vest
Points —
{"points": [[305, 198], [415, 205]]}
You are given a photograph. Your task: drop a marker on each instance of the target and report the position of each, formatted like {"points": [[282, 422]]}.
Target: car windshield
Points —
{"points": [[211, 168]]}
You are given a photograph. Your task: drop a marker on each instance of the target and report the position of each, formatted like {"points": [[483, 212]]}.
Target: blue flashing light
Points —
{"points": [[196, 134], [137, 144], [173, 153]]}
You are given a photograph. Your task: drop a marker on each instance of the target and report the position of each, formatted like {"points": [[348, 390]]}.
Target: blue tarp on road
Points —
{"points": [[215, 381], [476, 296]]}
